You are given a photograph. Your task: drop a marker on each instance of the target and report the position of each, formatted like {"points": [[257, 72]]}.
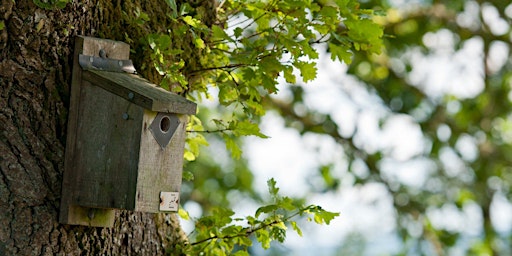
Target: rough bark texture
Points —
{"points": [[35, 73]]}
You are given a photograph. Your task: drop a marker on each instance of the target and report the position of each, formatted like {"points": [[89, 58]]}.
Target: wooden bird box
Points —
{"points": [[125, 138]]}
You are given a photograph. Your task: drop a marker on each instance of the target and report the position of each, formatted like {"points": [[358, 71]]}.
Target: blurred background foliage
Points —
{"points": [[445, 69]]}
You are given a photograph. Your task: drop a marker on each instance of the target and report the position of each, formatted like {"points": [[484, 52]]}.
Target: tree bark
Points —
{"points": [[35, 75]]}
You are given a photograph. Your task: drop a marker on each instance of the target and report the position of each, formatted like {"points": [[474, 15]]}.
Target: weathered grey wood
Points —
{"points": [[114, 49], [120, 164], [145, 94], [70, 213], [107, 150], [112, 158], [160, 170]]}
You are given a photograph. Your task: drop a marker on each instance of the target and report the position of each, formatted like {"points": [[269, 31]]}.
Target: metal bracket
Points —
{"points": [[163, 128], [106, 64]]}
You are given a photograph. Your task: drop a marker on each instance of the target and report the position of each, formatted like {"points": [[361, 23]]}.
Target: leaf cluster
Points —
{"points": [[223, 234], [464, 119], [237, 61], [249, 48]]}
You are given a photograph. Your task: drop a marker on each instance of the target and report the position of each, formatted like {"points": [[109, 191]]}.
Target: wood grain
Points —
{"points": [[145, 94]]}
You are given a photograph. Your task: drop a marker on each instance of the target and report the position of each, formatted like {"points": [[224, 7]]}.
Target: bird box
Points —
{"points": [[125, 138]]}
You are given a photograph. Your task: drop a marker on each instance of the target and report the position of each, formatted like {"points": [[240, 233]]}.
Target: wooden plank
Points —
{"points": [[92, 217], [70, 213], [160, 170], [114, 49], [107, 149], [66, 212], [144, 93]]}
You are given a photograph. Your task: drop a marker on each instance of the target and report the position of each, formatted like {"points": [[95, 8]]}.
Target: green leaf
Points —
{"points": [[195, 142], [246, 128], [287, 203], [257, 108], [61, 4], [248, 74], [272, 188], [288, 75], [227, 94], [296, 228], [174, 8], [199, 43], [269, 83], [341, 53], [366, 34], [307, 70], [189, 156], [183, 214], [188, 176], [322, 216], [266, 209], [330, 181], [238, 32], [232, 146], [243, 240], [308, 50], [220, 34], [263, 237], [222, 216], [195, 23], [271, 66], [231, 230], [241, 253]]}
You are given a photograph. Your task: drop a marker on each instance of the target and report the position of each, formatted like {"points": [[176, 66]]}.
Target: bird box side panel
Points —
{"points": [[160, 169], [70, 213], [107, 149]]}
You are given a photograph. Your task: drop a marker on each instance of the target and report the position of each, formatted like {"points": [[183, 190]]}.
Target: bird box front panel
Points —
{"points": [[160, 168], [107, 150]]}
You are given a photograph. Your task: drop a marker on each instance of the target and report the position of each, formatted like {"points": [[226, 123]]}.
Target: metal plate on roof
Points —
{"points": [[163, 128], [106, 64]]}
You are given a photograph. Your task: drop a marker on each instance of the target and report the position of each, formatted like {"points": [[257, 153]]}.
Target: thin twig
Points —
{"points": [[251, 231], [210, 131]]}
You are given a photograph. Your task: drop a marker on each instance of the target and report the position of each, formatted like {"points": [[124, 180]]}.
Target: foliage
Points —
{"points": [[263, 40], [237, 60], [467, 159], [223, 234], [446, 70], [464, 124]]}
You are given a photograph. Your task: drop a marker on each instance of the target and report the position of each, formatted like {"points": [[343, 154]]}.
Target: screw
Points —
{"points": [[130, 95], [120, 63], [125, 116], [103, 54]]}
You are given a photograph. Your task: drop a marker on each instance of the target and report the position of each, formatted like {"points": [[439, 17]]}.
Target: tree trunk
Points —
{"points": [[35, 75]]}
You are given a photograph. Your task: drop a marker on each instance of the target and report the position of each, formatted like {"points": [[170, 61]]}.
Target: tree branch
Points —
{"points": [[210, 131], [250, 231]]}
